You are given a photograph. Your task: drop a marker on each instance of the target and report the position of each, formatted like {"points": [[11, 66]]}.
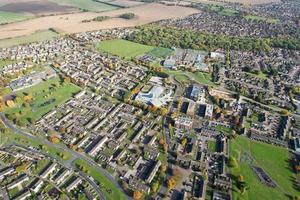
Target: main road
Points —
{"points": [[75, 155]]}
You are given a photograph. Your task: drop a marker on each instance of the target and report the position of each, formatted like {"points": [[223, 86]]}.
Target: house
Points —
{"points": [[73, 184], [48, 170], [6, 171], [94, 148], [36, 185], [153, 172], [17, 182], [184, 123]]}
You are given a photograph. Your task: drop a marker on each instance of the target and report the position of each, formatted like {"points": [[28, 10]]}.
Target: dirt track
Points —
{"points": [[72, 23]]}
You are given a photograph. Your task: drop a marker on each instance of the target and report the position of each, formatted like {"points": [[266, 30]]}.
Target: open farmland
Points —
{"points": [[36, 8], [35, 37], [274, 160], [89, 5], [72, 23], [9, 17]]}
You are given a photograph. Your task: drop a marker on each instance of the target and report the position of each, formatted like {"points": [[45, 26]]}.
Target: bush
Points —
{"points": [[127, 16]]}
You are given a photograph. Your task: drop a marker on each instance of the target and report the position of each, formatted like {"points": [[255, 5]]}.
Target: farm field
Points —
{"points": [[93, 172], [45, 96], [72, 23], [35, 37], [35, 8], [89, 5], [274, 160], [9, 17], [123, 48]]}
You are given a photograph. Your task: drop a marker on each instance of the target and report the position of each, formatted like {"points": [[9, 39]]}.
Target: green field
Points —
{"points": [[9, 17], [212, 145], [259, 18], [43, 93], [89, 5], [104, 182], [123, 48], [35, 37], [160, 52], [274, 160], [222, 11], [5, 62]]}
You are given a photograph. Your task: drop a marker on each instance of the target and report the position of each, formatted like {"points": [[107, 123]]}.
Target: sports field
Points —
{"points": [[127, 49], [35, 37], [274, 160], [8, 17], [45, 97]]}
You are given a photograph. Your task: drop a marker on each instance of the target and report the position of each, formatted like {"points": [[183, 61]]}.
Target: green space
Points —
{"points": [[259, 18], [260, 75], [9, 17], [161, 52], [45, 96], [274, 160], [35, 37], [223, 11], [10, 137], [185, 76], [212, 145], [223, 129], [87, 5], [228, 12], [5, 62], [109, 190], [123, 48]]}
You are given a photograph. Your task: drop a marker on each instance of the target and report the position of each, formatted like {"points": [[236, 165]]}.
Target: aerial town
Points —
{"points": [[201, 106]]}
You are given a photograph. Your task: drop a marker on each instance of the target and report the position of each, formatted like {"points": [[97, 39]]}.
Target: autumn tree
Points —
{"points": [[171, 183], [137, 195]]}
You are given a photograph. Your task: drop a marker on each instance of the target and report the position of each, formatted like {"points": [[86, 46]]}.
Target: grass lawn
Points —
{"points": [[86, 5], [223, 129], [259, 18], [45, 98], [104, 182], [160, 52], [274, 160], [6, 62], [35, 37], [228, 12], [8, 17], [203, 78], [124, 48], [212, 145]]}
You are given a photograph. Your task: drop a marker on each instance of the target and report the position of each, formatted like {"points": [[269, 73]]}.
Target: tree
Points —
{"points": [[10, 103], [232, 162], [154, 187], [137, 195], [54, 139], [171, 183], [21, 168], [183, 141], [164, 111]]}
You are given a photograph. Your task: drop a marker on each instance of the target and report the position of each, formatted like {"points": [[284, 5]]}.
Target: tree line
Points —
{"points": [[169, 37]]}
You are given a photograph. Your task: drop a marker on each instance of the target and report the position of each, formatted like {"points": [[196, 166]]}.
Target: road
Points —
{"points": [[75, 155]]}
